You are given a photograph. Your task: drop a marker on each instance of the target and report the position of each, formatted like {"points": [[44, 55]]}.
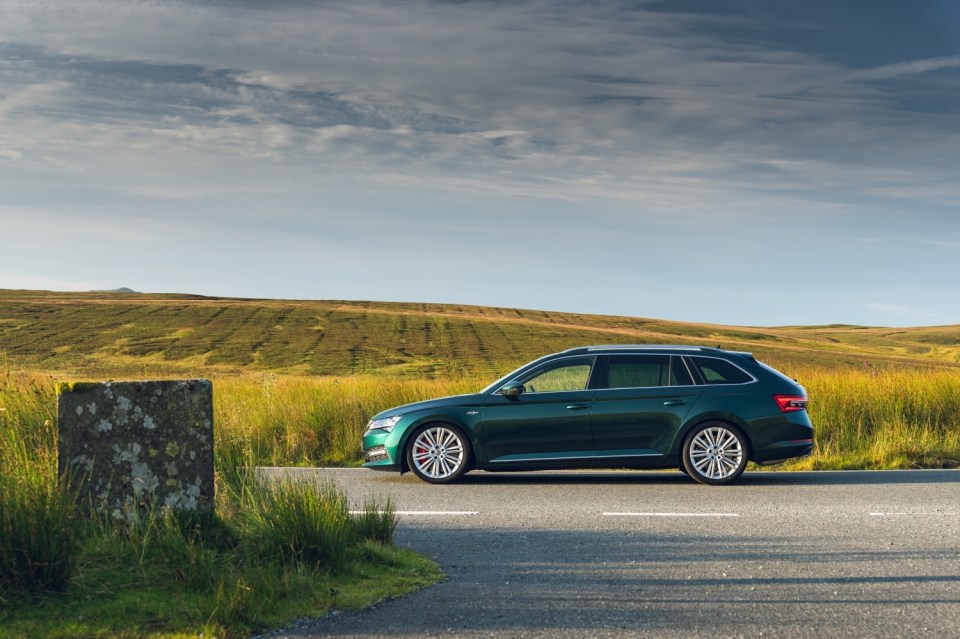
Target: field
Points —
{"points": [[112, 335], [295, 381]]}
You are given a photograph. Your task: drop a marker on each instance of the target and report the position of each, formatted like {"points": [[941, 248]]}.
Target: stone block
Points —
{"points": [[131, 446]]}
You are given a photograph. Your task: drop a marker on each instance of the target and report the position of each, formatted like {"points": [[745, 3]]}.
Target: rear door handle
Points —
{"points": [[674, 402], [578, 406]]}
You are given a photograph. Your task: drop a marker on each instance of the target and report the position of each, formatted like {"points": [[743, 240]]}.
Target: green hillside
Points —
{"points": [[111, 334]]}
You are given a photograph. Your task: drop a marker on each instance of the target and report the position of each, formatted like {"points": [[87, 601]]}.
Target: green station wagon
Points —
{"points": [[703, 410]]}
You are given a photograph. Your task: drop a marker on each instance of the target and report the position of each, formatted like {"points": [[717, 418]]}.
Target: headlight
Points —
{"points": [[384, 423]]}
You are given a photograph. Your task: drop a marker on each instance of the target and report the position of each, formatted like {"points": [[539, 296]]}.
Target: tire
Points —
{"points": [[438, 453], [715, 453]]}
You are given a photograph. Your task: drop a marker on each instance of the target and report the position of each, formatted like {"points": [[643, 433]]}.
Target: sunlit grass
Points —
{"points": [[269, 552], [290, 420], [893, 417], [883, 418]]}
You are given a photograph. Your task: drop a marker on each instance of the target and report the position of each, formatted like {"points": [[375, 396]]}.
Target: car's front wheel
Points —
{"points": [[715, 453], [438, 453]]}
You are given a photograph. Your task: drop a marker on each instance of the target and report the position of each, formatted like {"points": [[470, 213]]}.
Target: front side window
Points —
{"points": [[646, 371], [571, 376], [719, 371]]}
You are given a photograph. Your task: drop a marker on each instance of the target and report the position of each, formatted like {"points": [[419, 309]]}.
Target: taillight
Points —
{"points": [[790, 403]]}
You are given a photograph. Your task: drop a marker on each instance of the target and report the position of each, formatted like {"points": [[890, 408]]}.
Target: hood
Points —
{"points": [[443, 402]]}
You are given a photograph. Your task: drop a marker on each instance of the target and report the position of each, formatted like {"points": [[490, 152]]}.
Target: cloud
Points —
{"points": [[30, 97], [911, 67], [271, 120], [512, 93]]}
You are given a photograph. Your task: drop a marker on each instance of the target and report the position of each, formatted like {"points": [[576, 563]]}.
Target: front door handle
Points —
{"points": [[578, 406], [674, 402]]}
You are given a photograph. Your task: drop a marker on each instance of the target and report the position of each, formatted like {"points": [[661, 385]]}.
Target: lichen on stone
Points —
{"points": [[114, 435]]}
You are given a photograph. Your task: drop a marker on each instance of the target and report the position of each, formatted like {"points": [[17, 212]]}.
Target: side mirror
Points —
{"points": [[511, 389]]}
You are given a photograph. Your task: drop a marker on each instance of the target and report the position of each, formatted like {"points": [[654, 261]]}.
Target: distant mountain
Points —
{"points": [[123, 289]]}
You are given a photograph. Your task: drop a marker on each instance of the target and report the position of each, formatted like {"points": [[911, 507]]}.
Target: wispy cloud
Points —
{"points": [[911, 67]]}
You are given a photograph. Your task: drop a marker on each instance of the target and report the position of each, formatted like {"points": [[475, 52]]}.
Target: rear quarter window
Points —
{"points": [[720, 371]]}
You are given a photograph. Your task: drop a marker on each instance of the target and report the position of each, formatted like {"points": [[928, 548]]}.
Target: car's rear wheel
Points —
{"points": [[715, 453], [438, 453]]}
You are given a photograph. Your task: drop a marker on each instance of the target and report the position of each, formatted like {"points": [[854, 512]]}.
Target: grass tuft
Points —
{"points": [[38, 535], [299, 523], [376, 522]]}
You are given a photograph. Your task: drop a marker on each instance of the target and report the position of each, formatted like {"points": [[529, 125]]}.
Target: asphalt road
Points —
{"points": [[626, 554]]}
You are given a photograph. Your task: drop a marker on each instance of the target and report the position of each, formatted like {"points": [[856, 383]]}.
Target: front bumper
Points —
{"points": [[380, 451]]}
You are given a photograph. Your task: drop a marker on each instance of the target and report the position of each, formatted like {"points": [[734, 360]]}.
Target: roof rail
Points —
{"points": [[652, 347]]}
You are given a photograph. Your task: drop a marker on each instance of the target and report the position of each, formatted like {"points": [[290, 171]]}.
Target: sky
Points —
{"points": [[743, 162]]}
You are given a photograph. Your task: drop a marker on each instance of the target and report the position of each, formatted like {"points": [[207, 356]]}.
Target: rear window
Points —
{"points": [[719, 371]]}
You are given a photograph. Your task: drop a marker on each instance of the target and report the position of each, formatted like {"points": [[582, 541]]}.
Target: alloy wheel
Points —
{"points": [[715, 454], [438, 454]]}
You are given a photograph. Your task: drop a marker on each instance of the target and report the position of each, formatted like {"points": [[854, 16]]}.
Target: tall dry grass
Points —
{"points": [[863, 418], [883, 418], [39, 533], [286, 420]]}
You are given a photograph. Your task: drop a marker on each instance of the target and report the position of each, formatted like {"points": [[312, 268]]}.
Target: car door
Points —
{"points": [[640, 404], [549, 421]]}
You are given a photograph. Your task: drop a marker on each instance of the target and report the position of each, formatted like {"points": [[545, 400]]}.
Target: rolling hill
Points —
{"points": [[112, 334]]}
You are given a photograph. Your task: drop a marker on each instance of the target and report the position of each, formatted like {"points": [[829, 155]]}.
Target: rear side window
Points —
{"points": [[719, 371], [646, 371]]}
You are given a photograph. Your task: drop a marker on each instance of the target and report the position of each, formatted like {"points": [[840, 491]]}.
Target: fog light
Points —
{"points": [[377, 453]]}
